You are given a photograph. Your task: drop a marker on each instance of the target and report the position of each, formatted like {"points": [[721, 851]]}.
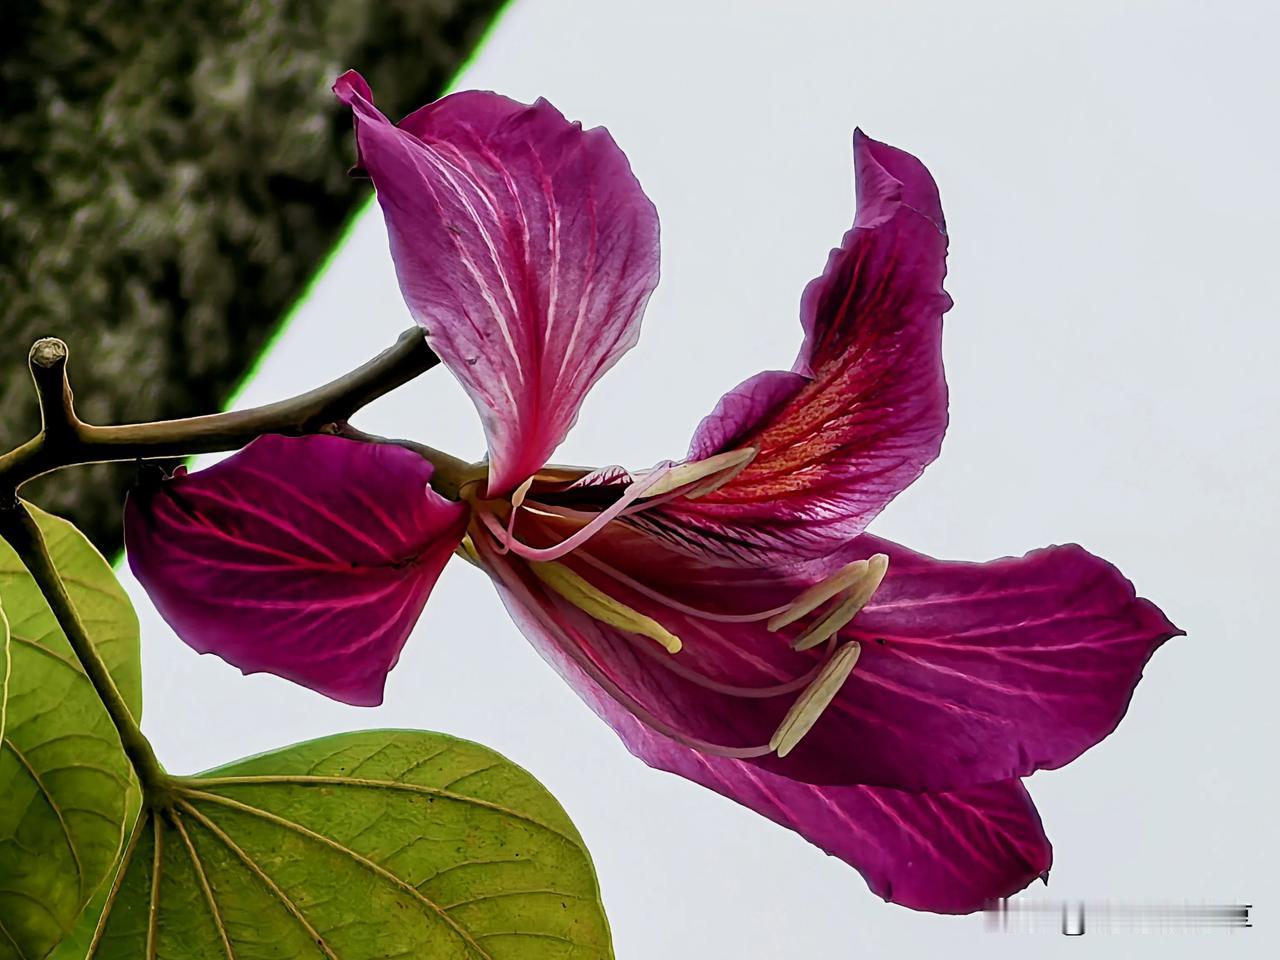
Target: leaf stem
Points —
{"points": [[65, 440], [20, 529]]}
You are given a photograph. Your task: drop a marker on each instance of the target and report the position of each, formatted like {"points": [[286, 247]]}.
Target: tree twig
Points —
{"points": [[65, 440]]}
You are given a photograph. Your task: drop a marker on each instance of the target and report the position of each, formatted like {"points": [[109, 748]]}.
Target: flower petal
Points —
{"points": [[754, 401], [889, 177], [945, 852], [835, 448], [941, 852], [310, 558], [525, 248], [969, 672], [974, 672]]}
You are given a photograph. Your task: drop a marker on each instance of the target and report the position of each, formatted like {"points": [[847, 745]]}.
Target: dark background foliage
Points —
{"points": [[173, 175]]}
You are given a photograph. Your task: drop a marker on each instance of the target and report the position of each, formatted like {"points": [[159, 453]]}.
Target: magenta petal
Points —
{"points": [[525, 248], [973, 672], [835, 450], [310, 558], [969, 672], [888, 178], [941, 852], [743, 408], [945, 852]]}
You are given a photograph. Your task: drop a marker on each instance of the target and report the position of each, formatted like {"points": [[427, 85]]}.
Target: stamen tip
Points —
{"points": [[809, 706], [810, 640]]}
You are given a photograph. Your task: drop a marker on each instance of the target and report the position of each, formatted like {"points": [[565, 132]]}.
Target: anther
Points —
{"points": [[600, 606], [811, 704], [723, 467], [819, 594], [854, 600], [467, 551], [731, 473]]}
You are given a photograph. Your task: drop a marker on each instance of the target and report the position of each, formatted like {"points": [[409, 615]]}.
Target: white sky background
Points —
{"points": [[1107, 172]]}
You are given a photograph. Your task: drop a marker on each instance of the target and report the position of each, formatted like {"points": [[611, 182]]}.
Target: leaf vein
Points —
{"points": [[125, 860], [356, 857], [57, 811], [262, 875], [209, 898], [305, 780]]}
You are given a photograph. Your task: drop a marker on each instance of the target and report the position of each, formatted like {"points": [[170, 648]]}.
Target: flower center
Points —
{"points": [[812, 618]]}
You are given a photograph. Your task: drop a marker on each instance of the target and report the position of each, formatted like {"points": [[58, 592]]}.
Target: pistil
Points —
{"points": [[507, 541]]}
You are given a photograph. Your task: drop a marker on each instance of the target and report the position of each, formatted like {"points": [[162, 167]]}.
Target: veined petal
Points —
{"points": [[865, 408], [944, 852], [524, 246], [974, 672], [941, 852], [309, 557], [968, 673], [754, 401]]}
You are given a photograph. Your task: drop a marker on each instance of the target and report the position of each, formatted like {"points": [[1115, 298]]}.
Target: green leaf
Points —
{"points": [[76, 944], [4, 669], [364, 845], [68, 789]]}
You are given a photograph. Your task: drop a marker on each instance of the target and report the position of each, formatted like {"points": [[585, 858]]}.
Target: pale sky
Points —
{"points": [[1106, 169]]}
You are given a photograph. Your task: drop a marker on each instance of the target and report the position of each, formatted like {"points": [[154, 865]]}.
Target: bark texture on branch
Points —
{"points": [[174, 174]]}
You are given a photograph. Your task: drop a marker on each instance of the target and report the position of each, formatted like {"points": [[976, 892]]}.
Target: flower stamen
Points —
{"points": [[659, 597], [769, 692], [722, 468], [852, 603], [566, 643], [467, 551], [598, 605], [811, 704]]}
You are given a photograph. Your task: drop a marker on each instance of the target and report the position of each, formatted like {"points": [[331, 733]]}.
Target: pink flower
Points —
{"points": [[725, 614]]}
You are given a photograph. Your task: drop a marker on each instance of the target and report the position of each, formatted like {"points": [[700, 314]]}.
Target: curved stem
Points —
{"points": [[19, 528], [65, 440]]}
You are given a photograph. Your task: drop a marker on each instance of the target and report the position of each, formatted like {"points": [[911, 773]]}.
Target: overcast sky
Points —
{"points": [[1107, 172]]}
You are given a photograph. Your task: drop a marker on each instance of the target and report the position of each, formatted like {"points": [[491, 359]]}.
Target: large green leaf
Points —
{"points": [[67, 791], [377, 844]]}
